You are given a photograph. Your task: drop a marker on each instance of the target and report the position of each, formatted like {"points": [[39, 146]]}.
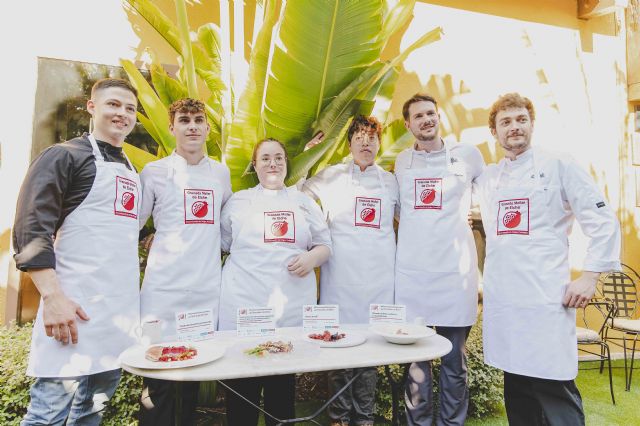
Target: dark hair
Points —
{"points": [[106, 83], [418, 97], [368, 124], [185, 105], [508, 101]]}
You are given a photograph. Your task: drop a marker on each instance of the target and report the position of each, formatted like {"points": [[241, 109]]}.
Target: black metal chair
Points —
{"points": [[589, 337], [620, 288]]}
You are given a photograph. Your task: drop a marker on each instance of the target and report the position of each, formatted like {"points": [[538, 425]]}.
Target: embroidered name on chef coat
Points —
{"points": [[428, 193], [513, 216], [367, 212], [198, 206], [126, 202], [279, 226]]}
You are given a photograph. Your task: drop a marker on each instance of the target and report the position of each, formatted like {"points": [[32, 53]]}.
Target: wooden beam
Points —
{"points": [[588, 9]]}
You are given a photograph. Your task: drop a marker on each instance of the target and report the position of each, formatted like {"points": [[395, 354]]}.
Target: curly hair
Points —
{"points": [[508, 101], [368, 124], [186, 105]]}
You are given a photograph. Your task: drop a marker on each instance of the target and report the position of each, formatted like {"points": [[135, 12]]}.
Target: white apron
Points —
{"points": [[184, 267], [436, 262], [360, 270], [526, 328], [97, 266], [273, 231]]}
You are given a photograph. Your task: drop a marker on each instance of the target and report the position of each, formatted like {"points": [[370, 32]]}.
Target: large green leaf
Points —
{"points": [[153, 106], [322, 46], [398, 16], [209, 38], [395, 138], [169, 90], [139, 158], [247, 127], [188, 66]]}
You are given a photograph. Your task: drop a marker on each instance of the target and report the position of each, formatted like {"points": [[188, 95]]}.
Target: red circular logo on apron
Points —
{"points": [[128, 200], [428, 196], [368, 214], [199, 208], [279, 228], [512, 219]]}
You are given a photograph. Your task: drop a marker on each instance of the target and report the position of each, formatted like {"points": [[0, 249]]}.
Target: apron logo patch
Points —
{"points": [[279, 226], [428, 193], [198, 206], [126, 202], [513, 216], [600, 204], [367, 212]]}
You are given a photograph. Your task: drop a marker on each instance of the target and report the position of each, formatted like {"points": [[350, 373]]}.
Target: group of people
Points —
{"points": [[82, 205]]}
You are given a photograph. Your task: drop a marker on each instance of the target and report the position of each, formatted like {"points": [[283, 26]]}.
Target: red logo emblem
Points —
{"points": [[200, 209], [428, 196], [128, 200], [512, 219], [279, 229], [368, 214]]}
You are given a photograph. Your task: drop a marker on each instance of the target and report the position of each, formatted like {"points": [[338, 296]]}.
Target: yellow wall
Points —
{"points": [[573, 70]]}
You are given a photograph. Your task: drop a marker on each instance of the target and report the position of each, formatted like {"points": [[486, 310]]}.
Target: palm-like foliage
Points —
{"points": [[313, 66]]}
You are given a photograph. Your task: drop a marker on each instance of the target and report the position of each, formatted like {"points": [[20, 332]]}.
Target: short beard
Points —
{"points": [[427, 138]]}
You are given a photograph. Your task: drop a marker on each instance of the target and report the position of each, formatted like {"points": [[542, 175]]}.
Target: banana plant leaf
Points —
{"points": [[395, 138], [188, 66], [321, 47], [398, 16], [247, 127], [139, 158], [169, 90]]}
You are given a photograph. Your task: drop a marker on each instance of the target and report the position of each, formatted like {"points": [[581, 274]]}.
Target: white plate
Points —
{"points": [[301, 349], [390, 332], [351, 339], [207, 352]]}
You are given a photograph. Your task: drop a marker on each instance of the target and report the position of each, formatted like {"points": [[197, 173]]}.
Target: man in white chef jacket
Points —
{"points": [[436, 261], [184, 192], [359, 200], [528, 201], [76, 234]]}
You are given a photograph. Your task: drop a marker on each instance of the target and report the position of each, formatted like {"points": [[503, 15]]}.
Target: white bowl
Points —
{"points": [[391, 335]]}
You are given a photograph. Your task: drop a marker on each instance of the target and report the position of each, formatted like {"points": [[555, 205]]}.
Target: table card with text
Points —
{"points": [[390, 314], [194, 325], [255, 322], [320, 317]]}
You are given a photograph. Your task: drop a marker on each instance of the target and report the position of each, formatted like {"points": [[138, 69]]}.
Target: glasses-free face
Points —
{"points": [[424, 121], [271, 165], [190, 131], [113, 110], [514, 129]]}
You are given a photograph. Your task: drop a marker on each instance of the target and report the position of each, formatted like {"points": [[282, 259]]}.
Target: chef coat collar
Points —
{"points": [[420, 152], [180, 160], [521, 158], [369, 169], [271, 192]]}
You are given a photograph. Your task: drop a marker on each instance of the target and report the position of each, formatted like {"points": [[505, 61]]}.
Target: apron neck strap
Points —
{"points": [[100, 157], [352, 168], [447, 155]]}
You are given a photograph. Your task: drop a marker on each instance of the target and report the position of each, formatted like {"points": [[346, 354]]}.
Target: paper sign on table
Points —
{"points": [[390, 314], [194, 325], [255, 322], [320, 317]]}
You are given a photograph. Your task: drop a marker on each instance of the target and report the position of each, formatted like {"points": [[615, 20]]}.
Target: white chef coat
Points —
{"points": [[184, 265], [528, 206], [436, 261], [359, 207], [264, 230], [97, 267]]}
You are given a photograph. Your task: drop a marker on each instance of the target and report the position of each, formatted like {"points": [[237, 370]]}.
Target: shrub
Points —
{"points": [[15, 342], [485, 382]]}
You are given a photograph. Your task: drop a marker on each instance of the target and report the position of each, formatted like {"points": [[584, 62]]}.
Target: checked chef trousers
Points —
{"points": [[531, 401], [158, 402], [453, 389]]}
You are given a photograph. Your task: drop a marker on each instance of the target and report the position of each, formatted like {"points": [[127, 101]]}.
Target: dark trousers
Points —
{"points": [[454, 392], [158, 402], [531, 401], [279, 394]]}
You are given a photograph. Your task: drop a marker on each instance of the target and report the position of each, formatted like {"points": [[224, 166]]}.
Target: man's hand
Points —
{"points": [[58, 311], [580, 291], [59, 315], [315, 141], [302, 264]]}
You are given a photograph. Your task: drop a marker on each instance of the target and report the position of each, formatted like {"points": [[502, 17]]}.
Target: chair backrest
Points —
{"points": [[606, 310], [620, 288]]}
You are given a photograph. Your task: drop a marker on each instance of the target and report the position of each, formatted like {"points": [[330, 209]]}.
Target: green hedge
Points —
{"points": [[485, 383]]}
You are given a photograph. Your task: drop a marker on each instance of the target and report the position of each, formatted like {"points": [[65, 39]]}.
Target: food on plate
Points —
{"points": [[170, 353], [401, 332], [327, 336], [270, 347]]}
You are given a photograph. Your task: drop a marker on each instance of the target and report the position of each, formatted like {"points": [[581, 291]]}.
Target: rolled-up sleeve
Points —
{"points": [[39, 208], [595, 216]]}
